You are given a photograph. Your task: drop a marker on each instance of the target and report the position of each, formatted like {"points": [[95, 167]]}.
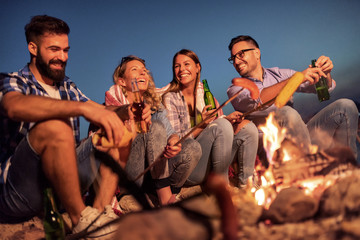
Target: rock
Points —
{"points": [[351, 227], [291, 205], [166, 223], [341, 198], [248, 211]]}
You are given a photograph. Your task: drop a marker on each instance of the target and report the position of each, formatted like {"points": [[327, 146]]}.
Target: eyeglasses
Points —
{"points": [[240, 54]]}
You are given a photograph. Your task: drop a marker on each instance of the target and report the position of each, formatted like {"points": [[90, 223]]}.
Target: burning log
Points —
{"points": [[300, 180], [302, 166]]}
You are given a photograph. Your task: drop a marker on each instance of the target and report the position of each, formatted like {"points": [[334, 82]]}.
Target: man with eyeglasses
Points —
{"points": [[334, 125]]}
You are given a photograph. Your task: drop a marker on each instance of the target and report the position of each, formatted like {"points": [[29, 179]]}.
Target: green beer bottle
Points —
{"points": [[208, 97], [321, 86], [53, 222]]}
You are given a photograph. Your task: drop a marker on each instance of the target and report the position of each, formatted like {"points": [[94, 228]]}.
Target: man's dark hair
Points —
{"points": [[242, 38], [42, 24]]}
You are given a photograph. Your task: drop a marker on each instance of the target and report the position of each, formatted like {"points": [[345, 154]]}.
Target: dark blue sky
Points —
{"points": [[290, 34]]}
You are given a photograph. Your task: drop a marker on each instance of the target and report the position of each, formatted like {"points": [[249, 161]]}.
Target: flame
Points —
{"points": [[270, 180], [260, 196], [313, 149], [287, 156], [272, 139], [266, 192], [273, 136]]}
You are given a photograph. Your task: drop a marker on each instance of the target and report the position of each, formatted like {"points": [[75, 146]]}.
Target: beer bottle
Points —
{"points": [[53, 222], [137, 108], [208, 96], [321, 86]]}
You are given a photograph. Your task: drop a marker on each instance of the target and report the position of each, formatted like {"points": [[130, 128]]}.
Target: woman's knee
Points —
{"points": [[157, 125], [158, 131], [192, 149], [224, 126]]}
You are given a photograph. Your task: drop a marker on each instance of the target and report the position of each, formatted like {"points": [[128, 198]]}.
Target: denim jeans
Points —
{"points": [[334, 125], [21, 196], [244, 151], [216, 143], [148, 147]]}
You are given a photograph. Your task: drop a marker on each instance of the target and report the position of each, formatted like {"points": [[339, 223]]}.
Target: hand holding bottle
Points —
{"points": [[138, 107], [205, 114], [325, 64], [208, 96], [321, 86], [209, 102]]}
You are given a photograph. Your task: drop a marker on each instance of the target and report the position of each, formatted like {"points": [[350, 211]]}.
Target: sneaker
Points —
{"points": [[128, 204], [109, 213], [88, 215]]}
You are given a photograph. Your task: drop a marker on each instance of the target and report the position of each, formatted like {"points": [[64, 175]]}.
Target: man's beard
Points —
{"points": [[45, 70]]}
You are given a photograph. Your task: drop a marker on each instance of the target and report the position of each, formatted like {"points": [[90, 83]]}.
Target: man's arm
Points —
{"points": [[271, 92], [312, 75], [31, 108]]}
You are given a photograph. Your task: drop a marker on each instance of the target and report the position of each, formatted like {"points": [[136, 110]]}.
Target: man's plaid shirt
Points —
{"points": [[23, 81]]}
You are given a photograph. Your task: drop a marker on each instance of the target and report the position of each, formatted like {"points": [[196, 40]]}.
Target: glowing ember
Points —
{"points": [[260, 196]]}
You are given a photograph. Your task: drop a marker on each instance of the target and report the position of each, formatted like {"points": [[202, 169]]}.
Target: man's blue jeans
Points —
{"points": [[334, 125]]}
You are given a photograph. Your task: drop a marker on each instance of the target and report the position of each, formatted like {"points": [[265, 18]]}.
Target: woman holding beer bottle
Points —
{"points": [[135, 86], [184, 100]]}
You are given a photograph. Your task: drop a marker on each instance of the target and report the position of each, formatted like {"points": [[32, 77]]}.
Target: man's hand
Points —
{"points": [[108, 120], [325, 64], [171, 150], [234, 117], [323, 68], [312, 75]]}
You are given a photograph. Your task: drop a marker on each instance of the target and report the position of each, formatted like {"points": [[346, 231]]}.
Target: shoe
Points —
{"points": [[88, 215], [109, 213], [128, 204]]}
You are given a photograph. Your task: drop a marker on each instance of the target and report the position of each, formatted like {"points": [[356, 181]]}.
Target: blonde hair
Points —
{"points": [[150, 96]]}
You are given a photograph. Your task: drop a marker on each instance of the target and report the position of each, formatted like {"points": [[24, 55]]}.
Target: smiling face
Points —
{"points": [[249, 64], [186, 71], [51, 55], [135, 70]]}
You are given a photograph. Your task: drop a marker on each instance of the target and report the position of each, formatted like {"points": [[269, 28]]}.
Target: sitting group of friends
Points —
{"points": [[40, 140]]}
